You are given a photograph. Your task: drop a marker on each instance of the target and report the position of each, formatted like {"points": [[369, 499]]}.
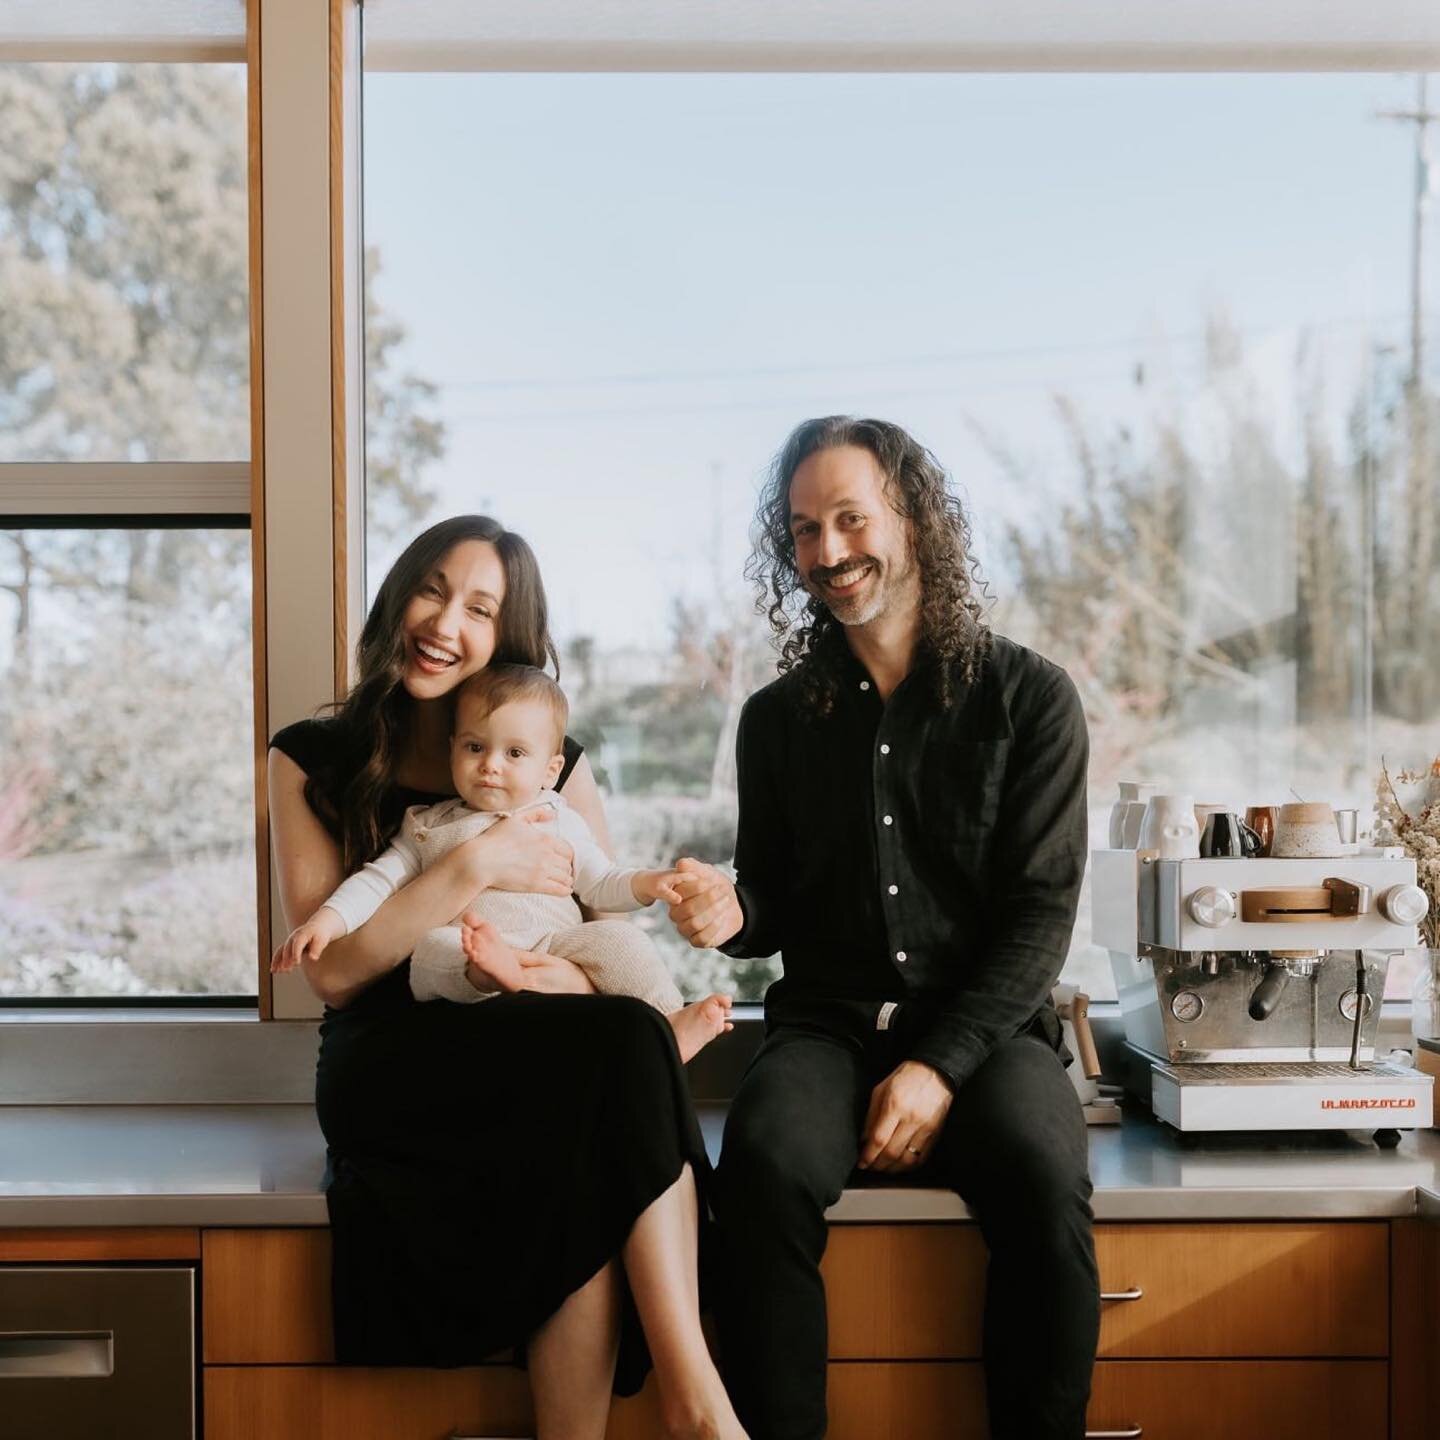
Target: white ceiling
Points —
{"points": [[902, 34]]}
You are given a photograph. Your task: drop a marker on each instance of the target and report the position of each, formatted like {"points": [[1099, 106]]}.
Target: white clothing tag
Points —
{"points": [[882, 1020]]}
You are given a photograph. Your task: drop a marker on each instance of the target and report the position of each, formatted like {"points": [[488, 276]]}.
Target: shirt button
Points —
{"points": [[900, 956], [864, 684], [894, 889], [889, 819], [884, 749]]}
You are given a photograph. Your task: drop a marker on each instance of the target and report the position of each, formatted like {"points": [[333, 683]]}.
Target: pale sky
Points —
{"points": [[630, 287]]}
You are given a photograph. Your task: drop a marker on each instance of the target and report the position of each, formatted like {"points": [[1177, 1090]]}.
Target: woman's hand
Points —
{"points": [[519, 855], [553, 975]]}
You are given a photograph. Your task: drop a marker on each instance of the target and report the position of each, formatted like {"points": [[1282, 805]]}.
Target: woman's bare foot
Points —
{"points": [[491, 964], [697, 1025]]}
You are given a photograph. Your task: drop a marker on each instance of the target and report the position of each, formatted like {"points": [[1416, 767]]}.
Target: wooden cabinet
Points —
{"points": [[1284, 1289], [1280, 1329], [266, 1297], [1165, 1399], [1415, 1328], [914, 1292], [331, 1403]]}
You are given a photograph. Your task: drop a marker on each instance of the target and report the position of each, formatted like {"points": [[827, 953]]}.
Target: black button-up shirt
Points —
{"points": [[898, 851]]}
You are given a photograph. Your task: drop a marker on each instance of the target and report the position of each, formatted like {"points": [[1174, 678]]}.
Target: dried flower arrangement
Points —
{"points": [[1418, 833]]}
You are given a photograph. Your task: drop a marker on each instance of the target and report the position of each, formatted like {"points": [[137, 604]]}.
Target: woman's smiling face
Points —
{"points": [[452, 621]]}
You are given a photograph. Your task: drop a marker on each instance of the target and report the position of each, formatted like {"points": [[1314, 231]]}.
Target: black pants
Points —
{"points": [[1013, 1147]]}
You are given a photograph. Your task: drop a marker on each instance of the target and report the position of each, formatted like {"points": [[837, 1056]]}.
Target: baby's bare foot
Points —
{"points": [[490, 963], [697, 1025]]}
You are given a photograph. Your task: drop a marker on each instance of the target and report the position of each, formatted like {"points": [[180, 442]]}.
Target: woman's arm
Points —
{"points": [[582, 795], [308, 863]]}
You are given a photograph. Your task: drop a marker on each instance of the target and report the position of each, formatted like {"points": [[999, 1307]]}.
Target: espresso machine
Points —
{"points": [[1250, 987]]}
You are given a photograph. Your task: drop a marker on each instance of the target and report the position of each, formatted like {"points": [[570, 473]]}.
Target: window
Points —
{"points": [[126, 775], [1157, 326]]}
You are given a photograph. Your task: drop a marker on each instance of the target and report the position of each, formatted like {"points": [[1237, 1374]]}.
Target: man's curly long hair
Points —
{"points": [[954, 637]]}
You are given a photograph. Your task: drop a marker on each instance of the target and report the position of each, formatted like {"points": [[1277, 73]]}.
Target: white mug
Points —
{"points": [[1169, 831]]}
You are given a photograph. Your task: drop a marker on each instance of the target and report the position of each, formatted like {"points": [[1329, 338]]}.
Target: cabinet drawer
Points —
{"points": [[1231, 1289], [1219, 1399], [297, 1402], [1164, 1400], [915, 1292], [97, 1351], [904, 1292], [265, 1297]]}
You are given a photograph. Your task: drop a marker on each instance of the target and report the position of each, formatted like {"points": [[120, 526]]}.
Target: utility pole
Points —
{"points": [[1421, 117], [1411, 633]]}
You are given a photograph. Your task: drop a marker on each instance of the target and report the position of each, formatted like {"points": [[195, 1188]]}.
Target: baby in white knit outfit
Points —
{"points": [[505, 755]]}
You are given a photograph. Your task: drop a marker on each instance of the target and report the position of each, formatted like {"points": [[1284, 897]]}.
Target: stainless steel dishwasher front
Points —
{"points": [[97, 1352]]}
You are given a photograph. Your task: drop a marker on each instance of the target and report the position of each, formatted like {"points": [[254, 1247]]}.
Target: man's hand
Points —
{"points": [[907, 1113], [709, 911]]}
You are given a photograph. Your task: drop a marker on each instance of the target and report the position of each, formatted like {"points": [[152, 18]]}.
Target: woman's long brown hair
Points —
{"points": [[375, 716]]}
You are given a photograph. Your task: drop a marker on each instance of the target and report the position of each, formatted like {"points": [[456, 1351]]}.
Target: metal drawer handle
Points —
{"points": [[26, 1354], [1134, 1293], [1133, 1433]]}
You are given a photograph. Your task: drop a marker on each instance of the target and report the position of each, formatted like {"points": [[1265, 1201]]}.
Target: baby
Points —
{"points": [[504, 756]]}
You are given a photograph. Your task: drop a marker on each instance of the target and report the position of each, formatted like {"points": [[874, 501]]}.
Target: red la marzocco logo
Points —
{"points": [[1382, 1104]]}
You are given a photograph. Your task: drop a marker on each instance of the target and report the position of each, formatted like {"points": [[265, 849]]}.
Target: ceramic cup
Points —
{"points": [[1305, 831], [1261, 820], [1128, 812], [1169, 831], [1226, 835]]}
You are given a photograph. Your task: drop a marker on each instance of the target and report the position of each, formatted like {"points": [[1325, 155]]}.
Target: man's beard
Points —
{"points": [[875, 590]]}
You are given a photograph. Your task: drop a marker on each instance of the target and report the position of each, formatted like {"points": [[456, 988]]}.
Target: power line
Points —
{"points": [[971, 357]]}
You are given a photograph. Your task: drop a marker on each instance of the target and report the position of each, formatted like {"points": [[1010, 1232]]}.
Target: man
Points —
{"points": [[912, 840]]}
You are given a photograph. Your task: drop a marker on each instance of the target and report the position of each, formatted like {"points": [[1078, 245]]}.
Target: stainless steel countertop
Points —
{"points": [[63, 1165]]}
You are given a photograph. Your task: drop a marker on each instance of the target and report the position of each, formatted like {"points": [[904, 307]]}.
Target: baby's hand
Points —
{"points": [[652, 885], [307, 941]]}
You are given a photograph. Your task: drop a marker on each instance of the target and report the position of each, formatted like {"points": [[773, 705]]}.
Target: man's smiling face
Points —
{"points": [[852, 550]]}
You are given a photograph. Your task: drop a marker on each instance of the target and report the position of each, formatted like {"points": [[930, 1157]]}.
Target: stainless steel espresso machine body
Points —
{"points": [[1252, 986]]}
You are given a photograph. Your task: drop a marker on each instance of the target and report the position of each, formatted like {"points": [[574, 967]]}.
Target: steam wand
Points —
{"points": [[1359, 1009]]}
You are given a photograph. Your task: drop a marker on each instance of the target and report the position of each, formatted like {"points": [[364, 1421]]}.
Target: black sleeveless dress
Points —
{"points": [[484, 1160]]}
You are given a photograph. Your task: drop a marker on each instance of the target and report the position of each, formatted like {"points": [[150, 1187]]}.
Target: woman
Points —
{"points": [[517, 1173]]}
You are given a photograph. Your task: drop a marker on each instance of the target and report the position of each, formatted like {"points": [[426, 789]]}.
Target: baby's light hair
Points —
{"points": [[498, 685]]}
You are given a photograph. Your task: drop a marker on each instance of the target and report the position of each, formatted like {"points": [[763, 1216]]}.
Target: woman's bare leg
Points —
{"points": [[572, 1361], [661, 1263]]}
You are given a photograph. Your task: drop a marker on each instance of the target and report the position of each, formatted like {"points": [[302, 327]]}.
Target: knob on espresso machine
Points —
{"points": [[1211, 906], [1404, 904]]}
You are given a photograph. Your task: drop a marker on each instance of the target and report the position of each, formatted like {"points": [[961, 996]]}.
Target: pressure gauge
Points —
{"points": [[1212, 907], [1187, 1006], [1347, 1004]]}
